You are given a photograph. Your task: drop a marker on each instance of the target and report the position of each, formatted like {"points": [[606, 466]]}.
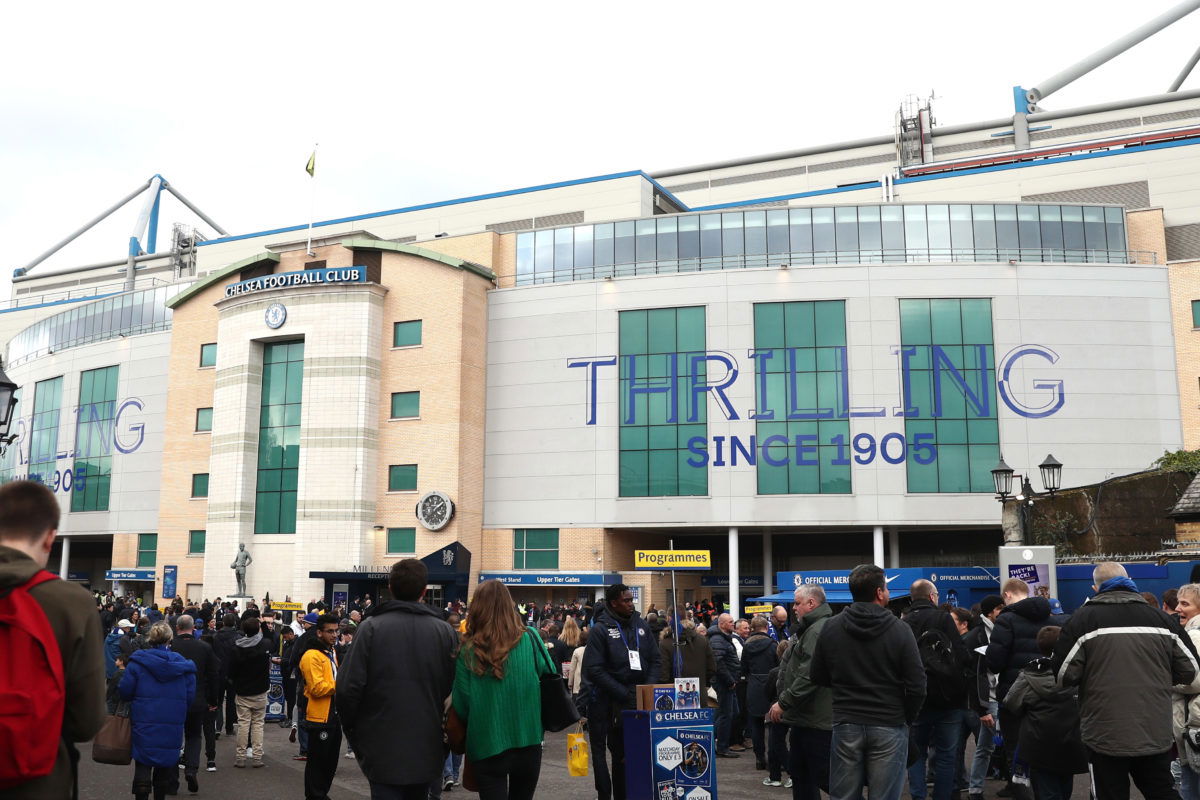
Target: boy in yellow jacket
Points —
{"points": [[319, 668]]}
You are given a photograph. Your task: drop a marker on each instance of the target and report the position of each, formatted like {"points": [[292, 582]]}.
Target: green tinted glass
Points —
{"points": [[401, 541], [406, 334]]}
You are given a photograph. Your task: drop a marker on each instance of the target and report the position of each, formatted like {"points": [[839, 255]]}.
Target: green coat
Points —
{"points": [[502, 714], [805, 705]]}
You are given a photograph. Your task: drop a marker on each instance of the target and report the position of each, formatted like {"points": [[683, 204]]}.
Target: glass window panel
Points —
{"points": [[603, 245], [1093, 230], [1196, 313], [583, 246], [524, 254], [823, 235], [938, 222], [402, 478], [732, 237], [801, 230], [962, 236], [1007, 239], [846, 233], [200, 484], [892, 219], [406, 334], [204, 419], [406, 404], [564, 249], [196, 542], [1051, 229], [977, 321], [623, 244], [401, 541], [1073, 236], [756, 234], [914, 322], [710, 235], [777, 231], [1029, 232], [946, 321], [768, 325], [634, 480], [1114, 219], [645, 236], [689, 237], [668, 240], [870, 233], [690, 333], [830, 316], [543, 257]]}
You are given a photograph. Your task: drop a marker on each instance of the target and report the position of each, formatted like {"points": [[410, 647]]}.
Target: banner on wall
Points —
{"points": [[170, 580]]}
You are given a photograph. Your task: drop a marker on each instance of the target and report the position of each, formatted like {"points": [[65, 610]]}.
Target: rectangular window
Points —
{"points": [[203, 420], [1196, 313], [208, 355], [43, 430], [401, 541], [147, 552], [662, 357], [279, 438], [947, 369], [800, 386], [406, 404], [196, 542], [402, 478], [535, 548], [200, 484], [406, 334], [92, 471]]}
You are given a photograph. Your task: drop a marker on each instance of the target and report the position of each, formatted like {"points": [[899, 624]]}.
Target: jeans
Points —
{"points": [[808, 763], [985, 745], [727, 709], [251, 712], [453, 767], [325, 748], [968, 725], [511, 775], [862, 754], [1151, 775], [1189, 783], [937, 728], [1051, 785]]}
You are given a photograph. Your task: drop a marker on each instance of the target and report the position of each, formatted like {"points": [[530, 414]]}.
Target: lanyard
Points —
{"points": [[624, 641]]}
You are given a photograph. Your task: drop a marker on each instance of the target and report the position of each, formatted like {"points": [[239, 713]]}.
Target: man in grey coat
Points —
{"points": [[392, 690]]}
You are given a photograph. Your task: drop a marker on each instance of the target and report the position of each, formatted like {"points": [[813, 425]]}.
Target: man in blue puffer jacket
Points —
{"points": [[161, 685]]}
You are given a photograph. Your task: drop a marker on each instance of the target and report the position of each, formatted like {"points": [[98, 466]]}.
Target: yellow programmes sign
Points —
{"points": [[279, 605], [763, 609], [672, 559]]}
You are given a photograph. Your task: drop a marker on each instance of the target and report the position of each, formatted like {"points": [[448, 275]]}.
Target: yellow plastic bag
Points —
{"points": [[577, 754]]}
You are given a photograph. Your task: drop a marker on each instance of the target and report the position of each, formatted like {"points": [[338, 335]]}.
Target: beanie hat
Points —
{"points": [[989, 604]]}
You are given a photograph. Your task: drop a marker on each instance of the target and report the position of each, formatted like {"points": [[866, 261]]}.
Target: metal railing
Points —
{"points": [[956, 255], [79, 293]]}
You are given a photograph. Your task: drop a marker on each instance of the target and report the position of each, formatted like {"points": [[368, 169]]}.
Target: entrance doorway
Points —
{"points": [[435, 596]]}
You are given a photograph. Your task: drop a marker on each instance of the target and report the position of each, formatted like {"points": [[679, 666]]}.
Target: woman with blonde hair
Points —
{"points": [[497, 694], [1186, 707], [570, 633]]}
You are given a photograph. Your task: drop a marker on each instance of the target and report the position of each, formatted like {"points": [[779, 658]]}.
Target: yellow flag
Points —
{"points": [[311, 167]]}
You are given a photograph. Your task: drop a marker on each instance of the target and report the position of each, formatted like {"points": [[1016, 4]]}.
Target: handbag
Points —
{"points": [[577, 754], [456, 733], [558, 709], [114, 743]]}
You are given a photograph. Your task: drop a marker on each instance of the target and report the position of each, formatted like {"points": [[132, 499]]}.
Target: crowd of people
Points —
{"points": [[870, 696]]}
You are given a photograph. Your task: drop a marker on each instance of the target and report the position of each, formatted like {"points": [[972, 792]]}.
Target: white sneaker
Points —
{"points": [[768, 782], [787, 783]]}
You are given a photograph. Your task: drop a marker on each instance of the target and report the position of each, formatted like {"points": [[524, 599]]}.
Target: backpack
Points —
{"points": [[944, 676], [32, 687]]}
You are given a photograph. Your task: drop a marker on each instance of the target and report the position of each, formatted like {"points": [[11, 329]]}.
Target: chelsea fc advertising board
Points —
{"points": [[670, 755]]}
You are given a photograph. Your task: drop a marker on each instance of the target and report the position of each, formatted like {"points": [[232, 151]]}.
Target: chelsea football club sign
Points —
{"points": [[304, 277]]}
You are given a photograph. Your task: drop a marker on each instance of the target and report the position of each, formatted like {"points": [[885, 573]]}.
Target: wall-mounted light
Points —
{"points": [[377, 528]]}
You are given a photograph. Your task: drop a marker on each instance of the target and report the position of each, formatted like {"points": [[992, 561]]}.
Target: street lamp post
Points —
{"points": [[8, 402], [1002, 477]]}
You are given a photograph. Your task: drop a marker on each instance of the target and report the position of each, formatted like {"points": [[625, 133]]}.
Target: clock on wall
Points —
{"points": [[275, 316], [434, 510]]}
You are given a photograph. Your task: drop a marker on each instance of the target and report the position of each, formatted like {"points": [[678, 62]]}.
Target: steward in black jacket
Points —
{"points": [[606, 660], [208, 670]]}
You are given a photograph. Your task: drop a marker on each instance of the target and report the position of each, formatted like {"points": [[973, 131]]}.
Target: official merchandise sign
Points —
{"points": [[291, 280], [672, 559]]}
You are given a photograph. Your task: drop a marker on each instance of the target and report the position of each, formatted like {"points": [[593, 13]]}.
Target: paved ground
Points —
{"points": [[282, 778]]}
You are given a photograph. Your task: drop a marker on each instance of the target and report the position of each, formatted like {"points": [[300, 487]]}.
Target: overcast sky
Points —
{"points": [[414, 103]]}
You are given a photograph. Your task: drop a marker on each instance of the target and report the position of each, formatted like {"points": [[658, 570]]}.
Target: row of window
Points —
{"points": [[404, 334], [533, 548], [823, 235]]}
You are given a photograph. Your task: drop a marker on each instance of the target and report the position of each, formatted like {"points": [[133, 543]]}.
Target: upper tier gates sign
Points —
{"points": [[693, 379]]}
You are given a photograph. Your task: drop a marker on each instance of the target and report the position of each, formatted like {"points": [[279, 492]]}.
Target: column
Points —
{"points": [[768, 565], [735, 580], [66, 557], [894, 547], [877, 546]]}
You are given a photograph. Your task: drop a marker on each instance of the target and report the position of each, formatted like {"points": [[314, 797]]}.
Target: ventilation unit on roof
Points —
{"points": [[914, 131]]}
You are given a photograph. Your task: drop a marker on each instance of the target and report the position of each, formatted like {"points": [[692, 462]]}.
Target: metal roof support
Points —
{"points": [[149, 209], [25, 269], [204, 216], [1191, 64]]}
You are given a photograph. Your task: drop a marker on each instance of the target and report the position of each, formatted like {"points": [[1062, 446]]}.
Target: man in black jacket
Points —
{"points": [[869, 658], [621, 653], [981, 692], [223, 646], [400, 667], [940, 720], [208, 693], [250, 676], [1013, 646], [1124, 655], [758, 659], [720, 638]]}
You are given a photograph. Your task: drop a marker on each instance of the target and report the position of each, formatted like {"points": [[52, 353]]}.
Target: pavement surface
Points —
{"points": [[283, 778]]}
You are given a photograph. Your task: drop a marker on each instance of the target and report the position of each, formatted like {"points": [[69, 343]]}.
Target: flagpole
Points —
{"points": [[312, 198]]}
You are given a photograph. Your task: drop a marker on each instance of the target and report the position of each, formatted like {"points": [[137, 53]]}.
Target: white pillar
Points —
{"points": [[768, 565], [735, 580], [65, 564], [877, 546], [894, 547]]}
